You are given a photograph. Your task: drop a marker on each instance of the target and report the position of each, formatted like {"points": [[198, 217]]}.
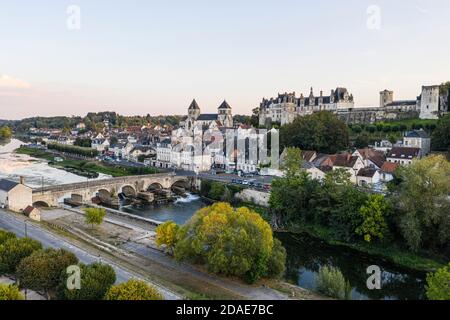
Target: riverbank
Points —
{"points": [[86, 166], [401, 257]]}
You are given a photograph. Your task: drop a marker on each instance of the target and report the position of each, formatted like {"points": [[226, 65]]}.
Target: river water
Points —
{"points": [[35, 171], [305, 255]]}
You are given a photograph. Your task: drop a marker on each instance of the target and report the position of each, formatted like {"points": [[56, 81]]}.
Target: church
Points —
{"points": [[223, 117]]}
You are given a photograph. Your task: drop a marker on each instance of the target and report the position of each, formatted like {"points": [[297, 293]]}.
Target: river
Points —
{"points": [[305, 255], [35, 171]]}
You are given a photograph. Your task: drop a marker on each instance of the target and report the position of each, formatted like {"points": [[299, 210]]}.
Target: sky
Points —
{"points": [[144, 56]]}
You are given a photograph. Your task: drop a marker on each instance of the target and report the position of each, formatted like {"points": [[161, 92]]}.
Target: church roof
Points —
{"points": [[224, 105], [207, 117], [194, 105]]}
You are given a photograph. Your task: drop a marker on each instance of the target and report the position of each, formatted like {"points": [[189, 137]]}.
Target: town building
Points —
{"points": [[223, 117], [403, 155], [418, 139], [387, 171], [15, 196]]}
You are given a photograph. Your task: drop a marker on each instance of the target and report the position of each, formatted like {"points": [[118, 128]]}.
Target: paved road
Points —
{"points": [[10, 223]]}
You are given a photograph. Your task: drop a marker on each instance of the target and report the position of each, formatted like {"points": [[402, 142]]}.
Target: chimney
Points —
{"points": [[22, 180]]}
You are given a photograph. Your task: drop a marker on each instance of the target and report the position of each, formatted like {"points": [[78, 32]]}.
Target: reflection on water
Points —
{"points": [[306, 255], [35, 171], [179, 211]]}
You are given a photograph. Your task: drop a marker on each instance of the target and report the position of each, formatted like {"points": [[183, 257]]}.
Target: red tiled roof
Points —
{"points": [[389, 167]]}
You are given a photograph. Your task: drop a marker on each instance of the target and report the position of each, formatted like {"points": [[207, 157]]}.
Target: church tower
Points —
{"points": [[224, 114], [193, 114], [386, 97]]}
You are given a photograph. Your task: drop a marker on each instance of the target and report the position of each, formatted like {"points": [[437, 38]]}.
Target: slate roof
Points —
{"points": [[417, 134], [224, 105], [7, 185], [375, 156], [367, 172], [194, 105], [207, 117], [403, 153]]}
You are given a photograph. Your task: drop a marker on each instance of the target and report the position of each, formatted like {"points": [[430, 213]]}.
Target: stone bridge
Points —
{"points": [[85, 191]]}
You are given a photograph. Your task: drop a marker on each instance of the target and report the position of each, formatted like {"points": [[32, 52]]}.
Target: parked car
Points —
{"points": [[245, 182]]}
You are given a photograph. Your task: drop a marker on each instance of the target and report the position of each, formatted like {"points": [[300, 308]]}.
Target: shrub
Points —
{"points": [[331, 282], [133, 290], [4, 236], [10, 292], [438, 284]]}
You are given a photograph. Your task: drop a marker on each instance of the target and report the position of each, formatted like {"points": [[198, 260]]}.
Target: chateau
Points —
{"points": [[430, 104], [287, 106]]}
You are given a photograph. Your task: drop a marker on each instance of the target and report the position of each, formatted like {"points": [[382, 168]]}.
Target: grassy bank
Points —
{"points": [[402, 257], [86, 165]]}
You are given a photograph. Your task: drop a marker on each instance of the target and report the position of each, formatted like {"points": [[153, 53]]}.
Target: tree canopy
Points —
{"points": [[232, 242], [423, 202], [95, 216], [13, 250], [438, 284], [440, 140], [96, 279], [322, 132], [43, 268], [10, 292]]}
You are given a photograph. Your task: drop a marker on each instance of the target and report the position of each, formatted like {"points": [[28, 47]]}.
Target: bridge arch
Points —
{"points": [[180, 186], [41, 204], [128, 190], [155, 186]]}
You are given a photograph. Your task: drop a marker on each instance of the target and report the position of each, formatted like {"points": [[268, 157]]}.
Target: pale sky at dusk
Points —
{"points": [[145, 56]]}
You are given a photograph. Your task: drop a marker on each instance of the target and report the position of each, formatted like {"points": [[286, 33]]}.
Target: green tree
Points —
{"points": [[440, 140], [423, 203], [13, 250], [292, 163], [95, 216], [362, 140], [217, 190], [322, 131], [438, 284], [96, 280], [166, 234], [10, 292], [331, 282], [232, 242], [133, 290], [5, 235], [5, 133], [374, 213], [277, 260], [41, 271]]}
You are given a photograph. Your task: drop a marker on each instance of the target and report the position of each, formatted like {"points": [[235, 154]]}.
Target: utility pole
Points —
{"points": [[42, 184], [26, 233]]}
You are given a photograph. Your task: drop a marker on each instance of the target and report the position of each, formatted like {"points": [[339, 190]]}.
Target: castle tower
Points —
{"points": [[224, 114], [386, 97], [429, 102]]}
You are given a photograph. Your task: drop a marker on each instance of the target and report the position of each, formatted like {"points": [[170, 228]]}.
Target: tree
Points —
{"points": [[232, 242], [13, 250], [166, 234], [10, 292], [438, 284], [95, 216], [277, 260], [5, 235], [374, 213], [5, 133], [362, 140], [322, 131], [292, 163], [96, 280], [440, 140], [423, 203], [331, 282], [41, 271], [133, 290]]}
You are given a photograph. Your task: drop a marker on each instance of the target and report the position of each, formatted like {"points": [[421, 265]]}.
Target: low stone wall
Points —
{"points": [[253, 196]]}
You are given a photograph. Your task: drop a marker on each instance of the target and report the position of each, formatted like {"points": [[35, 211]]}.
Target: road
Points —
{"points": [[13, 224]]}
